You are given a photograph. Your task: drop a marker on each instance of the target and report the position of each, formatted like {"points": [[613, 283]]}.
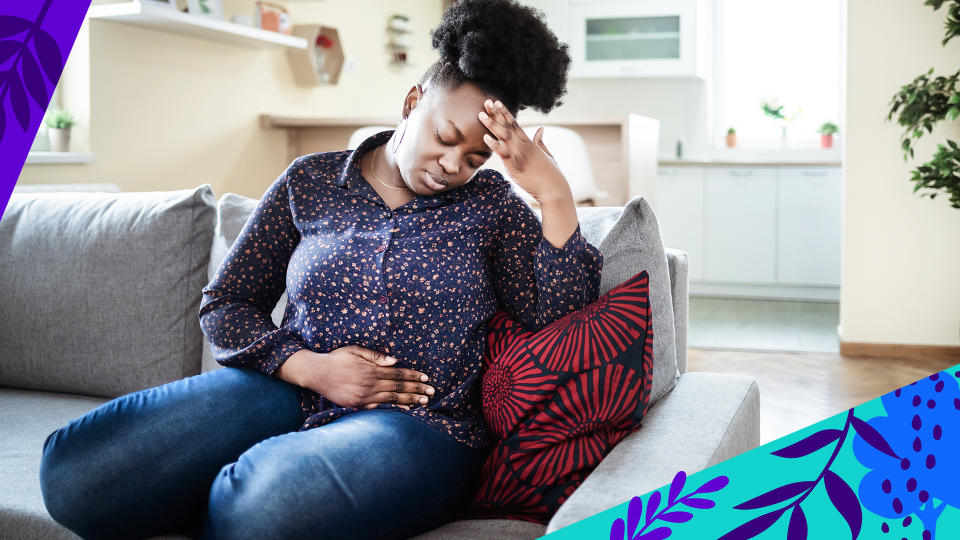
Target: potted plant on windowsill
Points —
{"points": [[826, 131], [59, 124], [731, 137]]}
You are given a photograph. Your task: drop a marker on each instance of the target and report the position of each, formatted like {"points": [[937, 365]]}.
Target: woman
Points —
{"points": [[360, 414]]}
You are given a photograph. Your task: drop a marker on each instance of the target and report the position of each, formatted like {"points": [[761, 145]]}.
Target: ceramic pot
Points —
{"points": [[59, 139]]}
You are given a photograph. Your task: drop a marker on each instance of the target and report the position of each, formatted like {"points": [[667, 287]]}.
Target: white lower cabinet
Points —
{"points": [[809, 226], [739, 240], [753, 230]]}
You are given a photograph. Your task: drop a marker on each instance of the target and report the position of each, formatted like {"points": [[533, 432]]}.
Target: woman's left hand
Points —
{"points": [[528, 162]]}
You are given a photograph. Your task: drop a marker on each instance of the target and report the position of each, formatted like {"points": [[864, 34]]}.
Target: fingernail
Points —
{"points": [[430, 391], [423, 400], [391, 359], [424, 378], [483, 115]]}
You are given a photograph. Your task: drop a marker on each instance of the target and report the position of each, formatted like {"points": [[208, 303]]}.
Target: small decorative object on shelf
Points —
{"points": [[59, 123], [826, 131], [322, 60], [272, 16], [242, 19], [773, 109], [398, 39], [207, 8], [731, 137]]}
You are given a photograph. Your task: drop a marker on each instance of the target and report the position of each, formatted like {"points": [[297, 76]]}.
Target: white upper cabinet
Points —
{"points": [[638, 38]]}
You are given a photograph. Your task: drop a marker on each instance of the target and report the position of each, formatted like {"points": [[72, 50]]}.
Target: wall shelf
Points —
{"points": [[158, 16], [59, 158]]}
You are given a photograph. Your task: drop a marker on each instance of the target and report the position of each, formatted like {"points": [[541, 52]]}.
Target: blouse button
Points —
{"points": [[383, 299], [380, 248]]}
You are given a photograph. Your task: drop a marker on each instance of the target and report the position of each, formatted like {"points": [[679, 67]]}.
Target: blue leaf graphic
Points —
{"points": [[844, 500], [872, 437], [18, 100], [616, 530], [809, 444], [797, 529], [775, 495], [10, 25], [8, 48], [34, 79], [696, 502], [755, 526], [48, 52], [676, 517], [652, 503], [3, 120], [716, 484], [634, 513], [676, 486], [656, 534]]}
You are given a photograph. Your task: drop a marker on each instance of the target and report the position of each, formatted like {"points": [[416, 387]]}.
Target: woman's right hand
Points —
{"points": [[354, 376]]}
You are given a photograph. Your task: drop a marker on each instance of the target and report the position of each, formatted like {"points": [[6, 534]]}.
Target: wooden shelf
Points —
{"points": [[158, 16]]}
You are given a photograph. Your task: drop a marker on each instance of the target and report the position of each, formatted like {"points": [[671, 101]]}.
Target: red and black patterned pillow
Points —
{"points": [[558, 400]]}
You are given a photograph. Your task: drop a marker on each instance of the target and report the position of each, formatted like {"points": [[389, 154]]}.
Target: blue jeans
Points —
{"points": [[217, 455]]}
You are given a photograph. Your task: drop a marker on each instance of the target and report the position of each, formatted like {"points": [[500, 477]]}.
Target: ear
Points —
{"points": [[413, 98]]}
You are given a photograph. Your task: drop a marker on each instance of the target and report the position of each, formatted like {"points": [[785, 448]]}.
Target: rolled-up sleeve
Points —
{"points": [[534, 281], [236, 306]]}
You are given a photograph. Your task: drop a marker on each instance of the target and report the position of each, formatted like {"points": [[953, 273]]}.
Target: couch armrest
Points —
{"points": [[679, 266], [707, 418]]}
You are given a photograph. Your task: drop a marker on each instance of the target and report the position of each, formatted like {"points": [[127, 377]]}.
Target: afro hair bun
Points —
{"points": [[503, 47]]}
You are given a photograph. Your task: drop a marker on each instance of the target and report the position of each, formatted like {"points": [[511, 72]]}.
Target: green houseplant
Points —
{"points": [[59, 122], [826, 131], [731, 137], [923, 103]]}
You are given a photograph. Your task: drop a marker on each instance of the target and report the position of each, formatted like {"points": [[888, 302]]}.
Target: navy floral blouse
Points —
{"points": [[418, 282]]}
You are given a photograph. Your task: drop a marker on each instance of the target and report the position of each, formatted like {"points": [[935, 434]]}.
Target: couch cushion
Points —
{"points": [[484, 529], [101, 290], [629, 238], [559, 399]]}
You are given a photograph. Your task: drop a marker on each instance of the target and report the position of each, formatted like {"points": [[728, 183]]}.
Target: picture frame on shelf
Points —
{"points": [[205, 8], [169, 4]]}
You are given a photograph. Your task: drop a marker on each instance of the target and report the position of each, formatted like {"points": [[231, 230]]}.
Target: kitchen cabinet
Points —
{"points": [[754, 230], [808, 226], [627, 38], [739, 216], [680, 213]]}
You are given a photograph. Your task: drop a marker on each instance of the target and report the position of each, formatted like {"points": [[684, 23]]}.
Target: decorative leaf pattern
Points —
{"points": [[17, 83], [620, 531]]}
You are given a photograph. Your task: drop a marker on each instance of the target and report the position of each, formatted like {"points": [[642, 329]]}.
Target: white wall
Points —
{"points": [[901, 252]]}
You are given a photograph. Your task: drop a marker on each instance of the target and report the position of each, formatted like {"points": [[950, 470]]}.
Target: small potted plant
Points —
{"points": [[731, 137], [826, 131], [59, 123]]}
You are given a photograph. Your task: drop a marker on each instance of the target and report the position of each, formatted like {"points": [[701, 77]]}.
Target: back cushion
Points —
{"points": [[102, 290]]}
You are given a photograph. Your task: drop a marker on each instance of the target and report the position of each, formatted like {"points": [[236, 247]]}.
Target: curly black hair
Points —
{"points": [[505, 49]]}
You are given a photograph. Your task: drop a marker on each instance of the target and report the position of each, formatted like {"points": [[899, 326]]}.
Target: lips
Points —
{"points": [[435, 183]]}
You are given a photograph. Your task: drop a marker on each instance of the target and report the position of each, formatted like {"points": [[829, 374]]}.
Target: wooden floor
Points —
{"points": [[799, 389]]}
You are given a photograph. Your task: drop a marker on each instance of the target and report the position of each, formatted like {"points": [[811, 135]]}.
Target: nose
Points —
{"points": [[451, 165]]}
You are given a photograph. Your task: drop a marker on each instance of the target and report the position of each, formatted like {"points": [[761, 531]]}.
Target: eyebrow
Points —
{"points": [[460, 137]]}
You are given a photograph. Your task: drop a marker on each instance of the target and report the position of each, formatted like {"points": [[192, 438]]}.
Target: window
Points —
{"points": [[790, 51]]}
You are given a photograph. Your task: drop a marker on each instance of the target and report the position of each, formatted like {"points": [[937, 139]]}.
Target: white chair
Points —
{"points": [[566, 145]]}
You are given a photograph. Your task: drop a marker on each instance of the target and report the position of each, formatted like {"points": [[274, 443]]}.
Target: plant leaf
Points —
{"points": [[656, 534], [775, 495], [634, 514], [797, 530], [696, 502], [34, 79], [652, 503], [754, 527], [10, 25], [844, 500], [676, 486], [678, 516], [18, 99], [809, 444], [871, 436], [616, 530], [715, 484], [48, 52], [7, 49]]}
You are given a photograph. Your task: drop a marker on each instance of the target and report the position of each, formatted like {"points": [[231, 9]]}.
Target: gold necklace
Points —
{"points": [[374, 173]]}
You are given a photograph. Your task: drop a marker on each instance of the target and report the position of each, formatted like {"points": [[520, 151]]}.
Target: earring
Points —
{"points": [[404, 132]]}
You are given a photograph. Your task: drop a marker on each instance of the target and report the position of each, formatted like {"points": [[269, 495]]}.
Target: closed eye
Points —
{"points": [[474, 166]]}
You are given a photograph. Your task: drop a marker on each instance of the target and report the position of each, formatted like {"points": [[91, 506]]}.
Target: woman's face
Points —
{"points": [[443, 142]]}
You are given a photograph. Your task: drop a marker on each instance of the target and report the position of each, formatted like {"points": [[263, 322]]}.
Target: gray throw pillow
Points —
{"points": [[101, 290], [629, 239]]}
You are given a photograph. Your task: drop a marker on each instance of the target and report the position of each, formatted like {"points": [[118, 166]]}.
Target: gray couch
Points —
{"points": [[101, 297]]}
